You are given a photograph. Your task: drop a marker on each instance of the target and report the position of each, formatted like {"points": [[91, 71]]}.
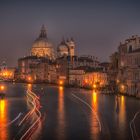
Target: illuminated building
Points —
{"points": [[90, 78], [76, 77], [38, 68], [6, 73], [96, 79], [42, 47], [129, 62], [27, 67]]}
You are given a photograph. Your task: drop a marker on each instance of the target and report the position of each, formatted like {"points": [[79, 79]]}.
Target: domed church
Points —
{"points": [[66, 48], [42, 47]]}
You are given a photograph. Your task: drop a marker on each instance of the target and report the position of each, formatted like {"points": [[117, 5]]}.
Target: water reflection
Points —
{"points": [[29, 87], [61, 114], [94, 121], [3, 120], [33, 117], [122, 112]]}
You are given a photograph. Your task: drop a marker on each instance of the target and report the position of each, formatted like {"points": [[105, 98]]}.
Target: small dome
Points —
{"points": [[62, 45], [62, 49]]}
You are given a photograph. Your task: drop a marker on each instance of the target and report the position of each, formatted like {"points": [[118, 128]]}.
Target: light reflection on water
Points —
{"points": [[3, 120], [115, 114], [94, 122], [33, 105], [61, 114], [122, 112], [29, 86]]}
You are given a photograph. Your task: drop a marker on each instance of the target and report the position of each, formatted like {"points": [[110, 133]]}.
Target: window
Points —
{"points": [[130, 49]]}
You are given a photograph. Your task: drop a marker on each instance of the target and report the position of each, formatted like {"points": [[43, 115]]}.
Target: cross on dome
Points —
{"points": [[43, 33]]}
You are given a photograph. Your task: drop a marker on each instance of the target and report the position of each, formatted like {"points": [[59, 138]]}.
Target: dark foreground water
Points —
{"points": [[67, 114]]}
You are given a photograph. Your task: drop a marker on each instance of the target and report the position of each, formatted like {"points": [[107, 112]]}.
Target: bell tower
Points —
{"points": [[71, 47]]}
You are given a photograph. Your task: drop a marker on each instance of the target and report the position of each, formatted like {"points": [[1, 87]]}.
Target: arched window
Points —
{"points": [[130, 49]]}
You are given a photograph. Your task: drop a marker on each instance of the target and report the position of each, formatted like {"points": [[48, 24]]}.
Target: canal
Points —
{"points": [[57, 113]]}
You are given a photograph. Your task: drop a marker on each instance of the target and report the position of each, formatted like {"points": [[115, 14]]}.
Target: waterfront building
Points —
{"points": [[27, 67], [87, 61], [76, 77], [64, 64], [129, 66], [52, 73], [95, 79], [38, 69], [113, 71], [41, 71], [6, 73], [88, 77]]}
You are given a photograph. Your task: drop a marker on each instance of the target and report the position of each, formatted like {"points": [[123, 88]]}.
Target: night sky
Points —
{"points": [[96, 25]]}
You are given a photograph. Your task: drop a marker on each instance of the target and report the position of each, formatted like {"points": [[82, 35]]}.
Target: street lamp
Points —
{"points": [[2, 88], [61, 82], [29, 79], [94, 86]]}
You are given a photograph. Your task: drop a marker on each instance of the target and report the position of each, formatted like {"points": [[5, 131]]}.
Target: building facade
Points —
{"points": [[76, 77], [7, 73], [95, 79], [129, 66], [37, 69]]}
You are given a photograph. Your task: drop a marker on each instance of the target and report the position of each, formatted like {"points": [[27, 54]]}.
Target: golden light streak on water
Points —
{"points": [[29, 87], [3, 120], [94, 123], [122, 113], [94, 99], [34, 113], [61, 114]]}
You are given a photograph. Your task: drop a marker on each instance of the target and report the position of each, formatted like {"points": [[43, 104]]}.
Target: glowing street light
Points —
{"points": [[61, 82], [122, 88], [94, 86], [2, 87], [29, 79]]}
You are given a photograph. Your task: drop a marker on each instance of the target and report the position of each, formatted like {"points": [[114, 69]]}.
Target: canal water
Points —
{"points": [[67, 114]]}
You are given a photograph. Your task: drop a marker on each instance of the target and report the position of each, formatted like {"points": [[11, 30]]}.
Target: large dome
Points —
{"points": [[42, 47]]}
